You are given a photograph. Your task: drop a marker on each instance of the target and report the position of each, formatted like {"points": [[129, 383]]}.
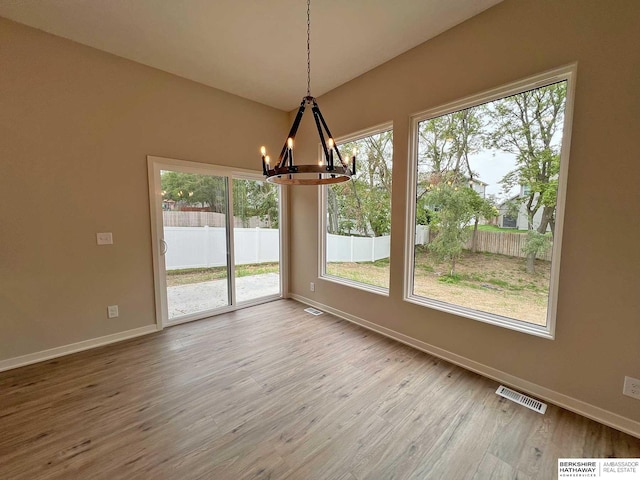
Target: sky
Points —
{"points": [[492, 165]]}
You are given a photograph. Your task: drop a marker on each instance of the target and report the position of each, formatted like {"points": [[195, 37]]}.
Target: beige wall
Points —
{"points": [[598, 321], [76, 125]]}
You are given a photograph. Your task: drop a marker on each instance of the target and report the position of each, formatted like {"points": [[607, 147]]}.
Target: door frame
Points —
{"points": [[155, 165]]}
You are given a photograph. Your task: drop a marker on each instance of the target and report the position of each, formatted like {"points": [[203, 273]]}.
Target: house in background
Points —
{"points": [[513, 212], [480, 187]]}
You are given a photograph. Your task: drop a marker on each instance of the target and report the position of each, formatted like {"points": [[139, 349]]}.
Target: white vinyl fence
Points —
{"points": [[422, 235], [197, 247], [357, 249], [366, 249]]}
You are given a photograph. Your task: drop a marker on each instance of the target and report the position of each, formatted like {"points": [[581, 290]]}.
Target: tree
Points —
{"points": [[445, 196], [265, 197], [452, 201], [536, 243], [480, 208], [362, 205], [445, 145], [193, 189], [527, 125], [446, 142], [251, 198], [255, 199]]}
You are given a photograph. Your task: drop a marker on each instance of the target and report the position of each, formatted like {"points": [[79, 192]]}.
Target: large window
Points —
{"points": [[486, 199], [357, 215]]}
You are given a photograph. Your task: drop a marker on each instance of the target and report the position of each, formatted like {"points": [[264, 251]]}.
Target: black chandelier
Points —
{"points": [[331, 169]]}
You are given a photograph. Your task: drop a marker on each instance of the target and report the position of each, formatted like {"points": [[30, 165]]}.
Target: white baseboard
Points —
{"points": [[598, 414], [74, 347]]}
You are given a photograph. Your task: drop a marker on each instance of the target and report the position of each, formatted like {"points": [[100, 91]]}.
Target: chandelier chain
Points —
{"points": [[308, 49]]}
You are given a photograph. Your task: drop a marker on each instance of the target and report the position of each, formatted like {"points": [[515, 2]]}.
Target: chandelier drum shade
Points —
{"points": [[332, 168]]}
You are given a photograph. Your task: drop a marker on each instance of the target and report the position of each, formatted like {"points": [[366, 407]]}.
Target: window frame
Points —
{"points": [[565, 73], [322, 217]]}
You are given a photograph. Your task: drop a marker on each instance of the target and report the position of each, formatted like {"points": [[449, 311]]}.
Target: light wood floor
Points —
{"points": [[273, 392]]}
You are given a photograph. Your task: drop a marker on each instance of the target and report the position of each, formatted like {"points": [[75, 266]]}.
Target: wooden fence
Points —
{"points": [[176, 218], [504, 243]]}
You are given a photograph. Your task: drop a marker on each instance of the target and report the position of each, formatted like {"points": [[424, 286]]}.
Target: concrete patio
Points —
{"points": [[196, 297]]}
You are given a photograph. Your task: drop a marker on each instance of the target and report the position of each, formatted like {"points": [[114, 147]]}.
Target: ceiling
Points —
{"points": [[253, 48]]}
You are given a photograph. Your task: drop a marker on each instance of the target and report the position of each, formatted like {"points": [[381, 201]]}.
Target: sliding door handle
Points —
{"points": [[163, 247]]}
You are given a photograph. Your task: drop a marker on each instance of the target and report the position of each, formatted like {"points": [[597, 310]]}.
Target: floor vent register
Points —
{"points": [[521, 399]]}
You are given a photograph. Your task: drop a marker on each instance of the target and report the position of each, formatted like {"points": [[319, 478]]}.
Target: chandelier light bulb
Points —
{"points": [[263, 151]]}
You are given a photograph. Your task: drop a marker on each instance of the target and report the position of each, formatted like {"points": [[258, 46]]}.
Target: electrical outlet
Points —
{"points": [[631, 387], [312, 287], [112, 311]]}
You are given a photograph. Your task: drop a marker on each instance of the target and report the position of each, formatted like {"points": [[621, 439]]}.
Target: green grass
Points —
{"points": [[383, 262], [451, 279], [493, 228], [369, 273], [257, 269], [501, 283], [475, 277], [357, 277], [505, 277], [198, 275]]}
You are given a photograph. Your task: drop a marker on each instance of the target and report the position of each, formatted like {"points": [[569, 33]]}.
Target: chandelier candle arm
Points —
{"points": [[316, 117], [292, 132]]}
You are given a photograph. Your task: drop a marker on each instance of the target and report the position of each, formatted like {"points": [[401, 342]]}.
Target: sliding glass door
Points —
{"points": [[256, 239], [196, 242], [216, 236]]}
